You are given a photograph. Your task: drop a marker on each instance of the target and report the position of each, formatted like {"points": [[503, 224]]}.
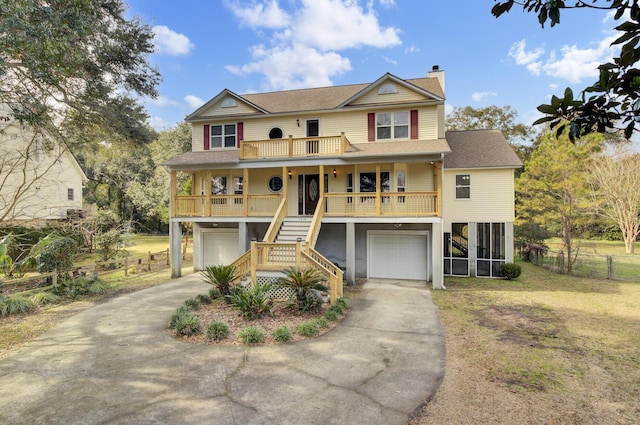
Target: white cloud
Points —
{"points": [[411, 49], [290, 67], [260, 15], [553, 86], [571, 63], [482, 95], [158, 123], [339, 25], [389, 60], [194, 102], [306, 42], [170, 42], [163, 101], [527, 58]]}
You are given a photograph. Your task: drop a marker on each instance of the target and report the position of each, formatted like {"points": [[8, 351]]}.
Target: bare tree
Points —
{"points": [[615, 179]]}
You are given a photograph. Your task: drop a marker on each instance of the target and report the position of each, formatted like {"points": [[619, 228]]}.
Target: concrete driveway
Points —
{"points": [[115, 364]]}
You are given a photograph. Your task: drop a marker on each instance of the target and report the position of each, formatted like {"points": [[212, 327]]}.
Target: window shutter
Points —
{"points": [[240, 133], [414, 123], [206, 137], [371, 123]]}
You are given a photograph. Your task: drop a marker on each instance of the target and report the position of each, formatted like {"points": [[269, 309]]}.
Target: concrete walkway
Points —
{"points": [[115, 364]]}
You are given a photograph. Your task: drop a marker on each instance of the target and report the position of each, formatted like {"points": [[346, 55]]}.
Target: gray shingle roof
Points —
{"points": [[480, 149]]}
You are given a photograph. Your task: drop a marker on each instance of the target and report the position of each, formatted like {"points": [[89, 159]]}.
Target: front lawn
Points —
{"points": [[546, 348]]}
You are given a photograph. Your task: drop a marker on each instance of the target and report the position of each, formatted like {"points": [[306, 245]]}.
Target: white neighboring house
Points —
{"points": [[39, 180]]}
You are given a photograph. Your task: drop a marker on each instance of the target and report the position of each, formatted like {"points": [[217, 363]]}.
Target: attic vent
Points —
{"points": [[229, 103], [387, 89]]}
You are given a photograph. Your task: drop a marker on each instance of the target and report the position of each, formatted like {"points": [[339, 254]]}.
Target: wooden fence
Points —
{"points": [[128, 265]]}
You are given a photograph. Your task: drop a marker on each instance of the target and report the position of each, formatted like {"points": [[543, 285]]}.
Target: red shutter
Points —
{"points": [[206, 137], [371, 123], [239, 133], [414, 123]]}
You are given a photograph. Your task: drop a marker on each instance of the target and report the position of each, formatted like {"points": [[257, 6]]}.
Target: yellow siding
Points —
{"points": [[492, 197], [420, 178], [197, 137], [217, 109], [403, 95]]}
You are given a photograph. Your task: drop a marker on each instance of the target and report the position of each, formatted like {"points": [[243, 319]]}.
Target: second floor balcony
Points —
{"points": [[294, 147]]}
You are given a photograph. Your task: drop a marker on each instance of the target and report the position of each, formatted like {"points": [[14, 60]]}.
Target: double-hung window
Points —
{"points": [[392, 125], [223, 136], [463, 186]]}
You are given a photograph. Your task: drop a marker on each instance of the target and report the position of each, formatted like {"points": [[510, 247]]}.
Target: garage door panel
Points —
{"points": [[398, 256], [219, 248]]}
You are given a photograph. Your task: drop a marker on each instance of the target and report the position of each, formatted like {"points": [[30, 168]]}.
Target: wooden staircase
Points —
{"points": [[290, 242]]}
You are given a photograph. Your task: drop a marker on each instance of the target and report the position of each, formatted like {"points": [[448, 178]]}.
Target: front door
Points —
{"points": [[308, 199]]}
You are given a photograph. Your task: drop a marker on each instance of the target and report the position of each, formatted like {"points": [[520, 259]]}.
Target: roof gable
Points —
{"points": [[391, 89], [223, 104]]}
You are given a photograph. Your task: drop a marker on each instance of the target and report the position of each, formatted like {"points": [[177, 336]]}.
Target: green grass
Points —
{"points": [[592, 258], [557, 336]]}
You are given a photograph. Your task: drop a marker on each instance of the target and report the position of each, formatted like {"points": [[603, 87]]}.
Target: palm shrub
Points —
{"points": [[252, 302], [302, 281], [220, 277]]}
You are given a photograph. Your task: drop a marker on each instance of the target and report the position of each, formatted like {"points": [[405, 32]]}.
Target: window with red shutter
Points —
{"points": [[206, 137], [371, 125], [414, 123]]}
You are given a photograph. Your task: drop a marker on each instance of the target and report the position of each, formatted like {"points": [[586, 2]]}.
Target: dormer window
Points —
{"points": [[223, 136], [229, 103], [392, 125], [387, 88]]}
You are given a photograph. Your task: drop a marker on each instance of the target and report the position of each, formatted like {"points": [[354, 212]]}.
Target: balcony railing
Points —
{"points": [[415, 204], [357, 204], [294, 147], [226, 206]]}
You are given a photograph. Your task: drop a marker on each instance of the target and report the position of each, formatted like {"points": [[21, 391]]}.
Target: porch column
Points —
{"points": [[508, 242], [351, 253], [174, 192], [243, 231], [285, 183], [207, 189], [321, 194], [437, 279], [175, 248], [378, 200], [245, 191]]}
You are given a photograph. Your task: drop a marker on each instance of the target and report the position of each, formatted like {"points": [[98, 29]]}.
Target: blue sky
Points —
{"points": [[246, 46]]}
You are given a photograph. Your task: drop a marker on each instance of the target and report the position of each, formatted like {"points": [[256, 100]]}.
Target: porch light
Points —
{"points": [[290, 176], [335, 173], [298, 122]]}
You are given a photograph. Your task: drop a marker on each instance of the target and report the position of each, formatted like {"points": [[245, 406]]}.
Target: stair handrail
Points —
{"points": [[327, 268], [316, 222], [274, 227], [243, 266]]}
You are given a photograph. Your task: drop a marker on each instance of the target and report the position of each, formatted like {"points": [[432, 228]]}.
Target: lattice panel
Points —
{"points": [[276, 293]]}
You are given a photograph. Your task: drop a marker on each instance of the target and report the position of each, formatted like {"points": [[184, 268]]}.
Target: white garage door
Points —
{"points": [[397, 255], [219, 247]]}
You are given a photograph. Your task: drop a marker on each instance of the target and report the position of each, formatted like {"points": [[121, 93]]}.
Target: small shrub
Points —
{"points": [[252, 302], [338, 308], [251, 335], [188, 324], [510, 270], [331, 315], [192, 304], [342, 303], [175, 316], [42, 298], [321, 322], [15, 305], [203, 299], [80, 286], [307, 329], [217, 330], [281, 334], [214, 294], [97, 288]]}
